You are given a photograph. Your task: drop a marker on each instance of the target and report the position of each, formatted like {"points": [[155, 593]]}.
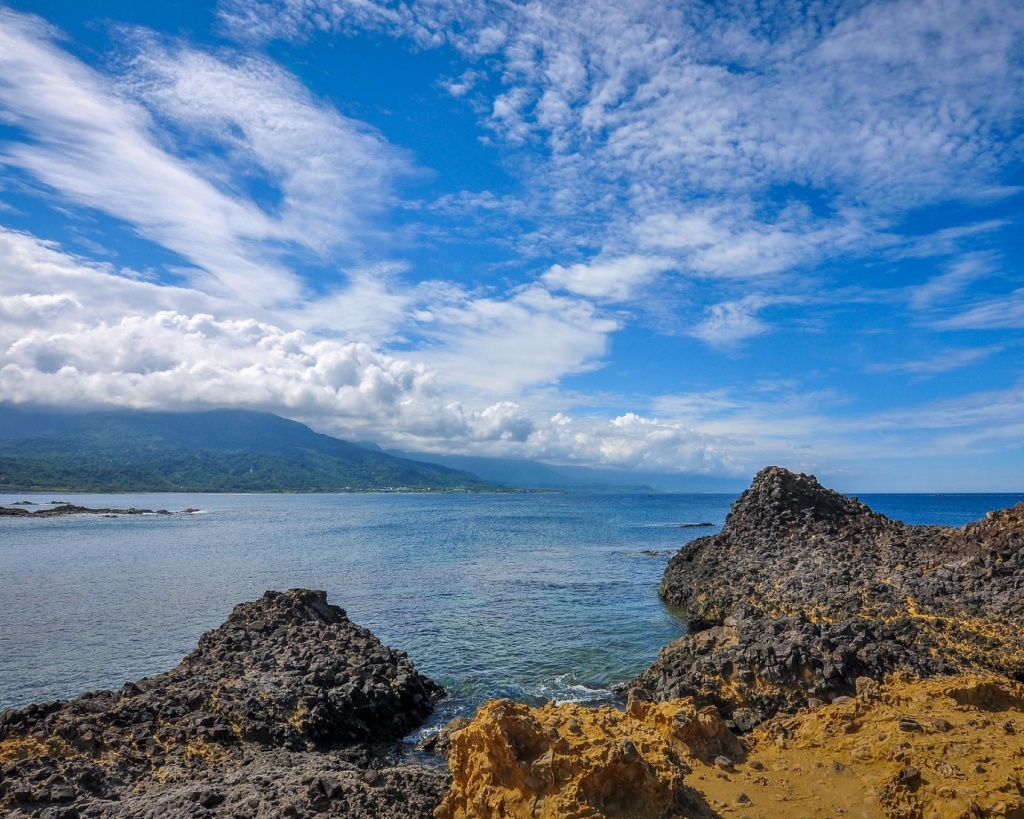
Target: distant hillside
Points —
{"points": [[216, 451], [534, 475]]}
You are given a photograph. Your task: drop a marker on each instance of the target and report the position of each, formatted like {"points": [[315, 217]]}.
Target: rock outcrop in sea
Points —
{"points": [[805, 590], [281, 711], [63, 509]]}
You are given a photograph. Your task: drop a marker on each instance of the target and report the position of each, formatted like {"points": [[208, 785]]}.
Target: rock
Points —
{"points": [[63, 509], [516, 761], [909, 775], [288, 688], [440, 741], [744, 719], [826, 770], [806, 595]]}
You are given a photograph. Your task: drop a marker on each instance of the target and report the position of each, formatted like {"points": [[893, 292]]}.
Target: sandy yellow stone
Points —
{"points": [[942, 748]]}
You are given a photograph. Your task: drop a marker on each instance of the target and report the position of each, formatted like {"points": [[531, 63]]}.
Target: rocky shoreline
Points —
{"points": [[838, 664], [64, 509]]}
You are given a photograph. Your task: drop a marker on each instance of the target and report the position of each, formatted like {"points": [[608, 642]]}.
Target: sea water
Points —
{"points": [[533, 596]]}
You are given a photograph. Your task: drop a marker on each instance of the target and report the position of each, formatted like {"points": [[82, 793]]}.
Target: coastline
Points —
{"points": [[723, 665]]}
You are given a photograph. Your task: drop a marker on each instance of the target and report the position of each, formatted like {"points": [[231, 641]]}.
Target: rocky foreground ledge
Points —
{"points": [[279, 712], [839, 664]]}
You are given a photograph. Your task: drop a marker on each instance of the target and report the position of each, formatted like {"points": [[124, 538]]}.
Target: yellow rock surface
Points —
{"points": [[943, 748], [571, 762]]}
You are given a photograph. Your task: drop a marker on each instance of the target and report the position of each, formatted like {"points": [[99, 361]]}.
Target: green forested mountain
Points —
{"points": [[215, 451]]}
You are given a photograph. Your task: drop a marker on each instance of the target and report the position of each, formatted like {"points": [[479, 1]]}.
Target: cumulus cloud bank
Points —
{"points": [[90, 348]]}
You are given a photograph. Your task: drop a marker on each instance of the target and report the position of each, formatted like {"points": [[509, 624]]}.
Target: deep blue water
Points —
{"points": [[531, 596]]}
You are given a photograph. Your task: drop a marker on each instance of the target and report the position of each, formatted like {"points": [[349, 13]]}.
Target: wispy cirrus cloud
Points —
{"points": [[729, 323], [607, 279], [940, 363], [331, 177], [508, 344], [948, 287], [101, 142], [1003, 313], [87, 142]]}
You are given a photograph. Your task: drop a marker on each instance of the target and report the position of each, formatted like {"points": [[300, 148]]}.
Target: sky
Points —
{"points": [[685, 237]]}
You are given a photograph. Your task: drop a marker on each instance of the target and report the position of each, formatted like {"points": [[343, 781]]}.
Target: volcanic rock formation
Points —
{"points": [[276, 713], [805, 590]]}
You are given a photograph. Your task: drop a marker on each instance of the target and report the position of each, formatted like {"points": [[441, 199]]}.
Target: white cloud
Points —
{"points": [[727, 241], [632, 441], [1004, 313], [948, 288], [40, 273], [943, 362], [77, 333], [504, 421], [175, 360], [74, 333], [95, 148], [97, 350], [658, 117], [948, 241], [607, 280], [830, 433], [504, 345], [29, 310], [731, 322], [333, 173]]}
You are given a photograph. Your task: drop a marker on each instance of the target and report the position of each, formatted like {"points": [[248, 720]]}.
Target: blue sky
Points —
{"points": [[661, 236]]}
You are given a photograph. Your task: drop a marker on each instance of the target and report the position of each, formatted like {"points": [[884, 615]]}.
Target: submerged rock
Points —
{"points": [[282, 708], [805, 590]]}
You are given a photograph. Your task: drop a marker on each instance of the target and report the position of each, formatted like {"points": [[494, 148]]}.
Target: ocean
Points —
{"points": [[530, 596]]}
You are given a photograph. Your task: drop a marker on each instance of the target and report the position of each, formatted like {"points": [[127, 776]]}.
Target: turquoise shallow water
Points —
{"points": [[530, 596]]}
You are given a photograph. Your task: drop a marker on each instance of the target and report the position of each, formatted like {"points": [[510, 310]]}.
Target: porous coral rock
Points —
{"points": [[941, 748], [572, 762]]}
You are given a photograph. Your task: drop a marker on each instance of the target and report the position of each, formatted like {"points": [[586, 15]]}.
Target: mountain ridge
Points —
{"points": [[528, 474], [220, 450]]}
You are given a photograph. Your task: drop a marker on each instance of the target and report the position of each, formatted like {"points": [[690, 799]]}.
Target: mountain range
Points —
{"points": [[214, 451], [229, 450]]}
